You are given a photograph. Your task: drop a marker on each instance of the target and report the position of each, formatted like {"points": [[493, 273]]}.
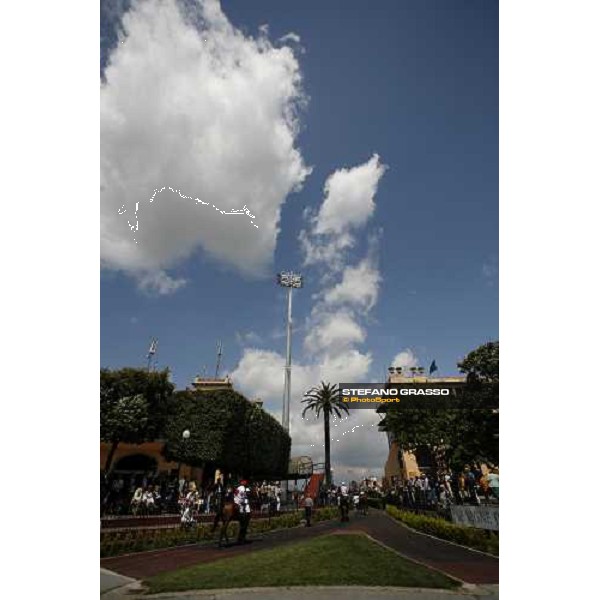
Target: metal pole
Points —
{"points": [[288, 367]]}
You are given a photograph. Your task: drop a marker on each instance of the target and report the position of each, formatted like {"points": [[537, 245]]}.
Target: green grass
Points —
{"points": [[349, 559]]}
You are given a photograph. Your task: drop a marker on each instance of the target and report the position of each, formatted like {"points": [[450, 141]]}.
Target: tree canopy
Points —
{"points": [[482, 364], [325, 399], [227, 429], [133, 406], [460, 430]]}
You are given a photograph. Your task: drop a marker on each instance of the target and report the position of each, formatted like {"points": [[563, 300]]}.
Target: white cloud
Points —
{"points": [[159, 282], [330, 250], [212, 113], [260, 373], [331, 333], [405, 359], [250, 338], [359, 286], [349, 197], [348, 205]]}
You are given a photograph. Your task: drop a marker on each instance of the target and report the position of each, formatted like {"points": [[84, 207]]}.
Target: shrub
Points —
{"points": [[466, 536], [138, 540]]}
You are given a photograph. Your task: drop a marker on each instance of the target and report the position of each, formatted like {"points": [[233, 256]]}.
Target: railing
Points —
{"points": [[437, 501]]}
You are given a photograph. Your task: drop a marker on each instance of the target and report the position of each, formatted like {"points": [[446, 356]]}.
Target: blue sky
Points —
{"points": [[415, 83]]}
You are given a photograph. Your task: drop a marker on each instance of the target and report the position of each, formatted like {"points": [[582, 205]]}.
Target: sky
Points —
{"points": [[359, 143]]}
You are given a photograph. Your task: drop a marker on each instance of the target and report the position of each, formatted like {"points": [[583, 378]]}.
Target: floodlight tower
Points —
{"points": [[290, 281]]}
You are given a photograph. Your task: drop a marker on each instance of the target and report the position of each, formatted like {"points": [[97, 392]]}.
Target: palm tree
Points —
{"points": [[325, 399]]}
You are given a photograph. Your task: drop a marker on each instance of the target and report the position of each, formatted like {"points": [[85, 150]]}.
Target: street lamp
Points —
{"points": [[289, 280], [184, 437]]}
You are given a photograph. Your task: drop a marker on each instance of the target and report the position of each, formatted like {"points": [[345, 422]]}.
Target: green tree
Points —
{"points": [[133, 406], [457, 431], [226, 430], [325, 400], [124, 420], [482, 364]]}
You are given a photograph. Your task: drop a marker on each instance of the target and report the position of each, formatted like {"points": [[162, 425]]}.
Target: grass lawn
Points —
{"points": [[349, 559]]}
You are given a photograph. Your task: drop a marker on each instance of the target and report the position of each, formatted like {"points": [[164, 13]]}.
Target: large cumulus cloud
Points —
{"points": [[190, 102]]}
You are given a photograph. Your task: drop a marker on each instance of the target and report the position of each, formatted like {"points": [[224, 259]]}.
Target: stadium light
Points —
{"points": [[289, 280]]}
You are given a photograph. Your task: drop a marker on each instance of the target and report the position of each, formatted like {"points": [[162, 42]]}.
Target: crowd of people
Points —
{"points": [[147, 495], [470, 486]]}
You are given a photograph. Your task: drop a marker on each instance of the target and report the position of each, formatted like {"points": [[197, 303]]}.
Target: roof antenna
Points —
{"points": [[219, 354]]}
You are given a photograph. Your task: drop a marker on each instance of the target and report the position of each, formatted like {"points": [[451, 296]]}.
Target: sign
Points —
{"points": [[480, 517]]}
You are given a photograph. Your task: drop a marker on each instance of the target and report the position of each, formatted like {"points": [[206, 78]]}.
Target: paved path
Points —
{"points": [[110, 580], [456, 561]]}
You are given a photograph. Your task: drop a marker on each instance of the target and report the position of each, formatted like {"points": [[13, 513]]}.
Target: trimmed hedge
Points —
{"points": [[227, 430], [478, 539], [115, 543]]}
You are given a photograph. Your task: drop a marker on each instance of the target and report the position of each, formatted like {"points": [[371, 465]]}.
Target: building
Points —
{"points": [[400, 465], [209, 384]]}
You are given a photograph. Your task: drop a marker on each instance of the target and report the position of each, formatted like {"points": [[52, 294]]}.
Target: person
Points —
{"points": [[343, 501], [278, 496], [241, 497], [136, 500], [494, 482], [472, 486], [148, 500], [485, 488], [308, 508], [461, 487], [187, 516]]}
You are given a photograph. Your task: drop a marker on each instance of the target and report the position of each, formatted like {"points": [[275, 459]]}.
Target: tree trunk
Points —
{"points": [[327, 449], [109, 458]]}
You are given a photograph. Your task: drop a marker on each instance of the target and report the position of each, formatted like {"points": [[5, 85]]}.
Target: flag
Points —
{"points": [[432, 367], [153, 345]]}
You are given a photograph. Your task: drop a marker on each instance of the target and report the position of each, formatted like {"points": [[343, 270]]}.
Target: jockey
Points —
{"points": [[344, 489], [241, 497]]}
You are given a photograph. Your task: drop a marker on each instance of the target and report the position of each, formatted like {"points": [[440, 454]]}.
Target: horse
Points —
{"points": [[363, 505], [227, 510], [344, 508]]}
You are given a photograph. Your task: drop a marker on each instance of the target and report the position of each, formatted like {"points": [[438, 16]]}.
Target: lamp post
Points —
{"points": [[290, 281], [184, 437]]}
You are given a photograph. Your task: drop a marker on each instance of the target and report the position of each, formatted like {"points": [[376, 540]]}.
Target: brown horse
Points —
{"points": [[228, 511], [344, 508], [363, 505]]}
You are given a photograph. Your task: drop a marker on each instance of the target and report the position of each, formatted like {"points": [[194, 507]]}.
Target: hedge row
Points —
{"points": [[478, 539], [226, 430], [115, 543]]}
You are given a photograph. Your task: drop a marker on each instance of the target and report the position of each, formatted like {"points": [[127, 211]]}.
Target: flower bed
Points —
{"points": [[478, 539]]}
